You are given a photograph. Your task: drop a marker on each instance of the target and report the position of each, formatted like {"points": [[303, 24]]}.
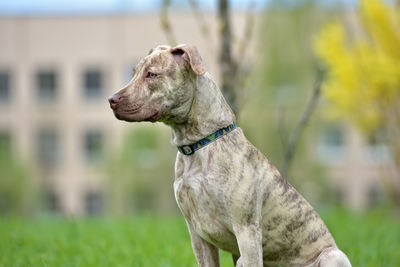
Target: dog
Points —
{"points": [[231, 196]]}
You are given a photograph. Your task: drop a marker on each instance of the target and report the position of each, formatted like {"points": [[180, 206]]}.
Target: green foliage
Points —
{"points": [[18, 192], [141, 172], [369, 239]]}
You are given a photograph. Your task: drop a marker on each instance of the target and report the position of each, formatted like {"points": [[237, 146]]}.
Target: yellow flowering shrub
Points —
{"points": [[363, 81]]}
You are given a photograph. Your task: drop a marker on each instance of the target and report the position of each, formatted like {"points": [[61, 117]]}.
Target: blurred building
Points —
{"points": [[55, 76], [358, 167]]}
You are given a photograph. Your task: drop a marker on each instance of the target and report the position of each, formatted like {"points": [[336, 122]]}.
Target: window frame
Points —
{"points": [[93, 93], [332, 153], [42, 92], [9, 76], [93, 151], [44, 158]]}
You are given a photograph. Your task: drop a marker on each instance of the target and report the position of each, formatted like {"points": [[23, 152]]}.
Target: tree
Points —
{"points": [[363, 85]]}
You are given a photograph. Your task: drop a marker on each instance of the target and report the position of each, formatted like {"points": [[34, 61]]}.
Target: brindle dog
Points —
{"points": [[232, 197]]}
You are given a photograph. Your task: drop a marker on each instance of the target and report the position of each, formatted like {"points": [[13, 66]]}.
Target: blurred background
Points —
{"points": [[315, 85]]}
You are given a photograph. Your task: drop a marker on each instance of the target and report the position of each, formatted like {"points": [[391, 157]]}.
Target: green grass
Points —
{"points": [[371, 239]]}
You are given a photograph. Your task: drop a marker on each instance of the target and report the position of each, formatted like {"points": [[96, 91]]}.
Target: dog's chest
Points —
{"points": [[205, 211]]}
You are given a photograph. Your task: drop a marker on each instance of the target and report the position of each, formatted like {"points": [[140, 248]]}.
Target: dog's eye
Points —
{"points": [[151, 75]]}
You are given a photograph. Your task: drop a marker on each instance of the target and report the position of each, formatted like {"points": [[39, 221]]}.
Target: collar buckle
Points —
{"points": [[187, 149]]}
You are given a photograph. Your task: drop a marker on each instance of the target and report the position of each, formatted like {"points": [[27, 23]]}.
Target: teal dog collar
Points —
{"points": [[190, 149]]}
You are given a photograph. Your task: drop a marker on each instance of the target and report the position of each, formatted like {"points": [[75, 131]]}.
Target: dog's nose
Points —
{"points": [[114, 99]]}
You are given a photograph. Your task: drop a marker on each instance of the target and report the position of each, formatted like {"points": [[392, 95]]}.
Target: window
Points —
{"points": [[94, 203], [93, 145], [46, 86], [331, 146], [93, 84], [48, 147], [51, 201], [4, 86], [377, 150], [333, 136]]}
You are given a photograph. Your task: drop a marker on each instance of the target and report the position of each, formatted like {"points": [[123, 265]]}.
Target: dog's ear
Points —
{"points": [[189, 54]]}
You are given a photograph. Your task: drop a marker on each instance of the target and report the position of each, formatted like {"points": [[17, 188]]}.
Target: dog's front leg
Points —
{"points": [[207, 255], [249, 239]]}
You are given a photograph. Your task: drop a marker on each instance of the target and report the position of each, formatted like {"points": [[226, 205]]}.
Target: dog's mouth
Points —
{"points": [[153, 118], [138, 111], [139, 115]]}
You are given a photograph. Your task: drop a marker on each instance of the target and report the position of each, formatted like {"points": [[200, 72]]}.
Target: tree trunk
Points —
{"points": [[228, 67]]}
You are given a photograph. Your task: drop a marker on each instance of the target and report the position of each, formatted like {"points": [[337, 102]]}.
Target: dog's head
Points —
{"points": [[162, 87]]}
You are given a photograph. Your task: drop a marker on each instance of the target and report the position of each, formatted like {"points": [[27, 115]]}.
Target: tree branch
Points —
{"points": [[228, 66], [298, 130], [281, 126], [165, 23]]}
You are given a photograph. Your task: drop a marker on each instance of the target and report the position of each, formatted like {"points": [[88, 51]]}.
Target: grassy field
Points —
{"points": [[371, 239]]}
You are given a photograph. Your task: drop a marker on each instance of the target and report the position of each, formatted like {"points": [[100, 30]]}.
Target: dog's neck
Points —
{"points": [[208, 113]]}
